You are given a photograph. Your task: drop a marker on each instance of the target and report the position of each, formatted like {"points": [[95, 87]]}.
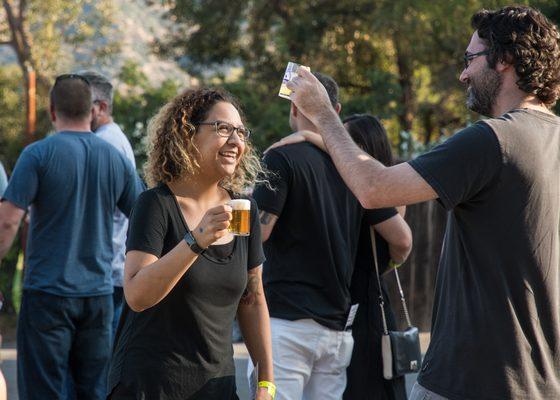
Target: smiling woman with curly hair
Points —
{"points": [[172, 153], [186, 275]]}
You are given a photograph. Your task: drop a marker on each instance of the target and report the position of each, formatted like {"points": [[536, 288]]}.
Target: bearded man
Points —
{"points": [[496, 318]]}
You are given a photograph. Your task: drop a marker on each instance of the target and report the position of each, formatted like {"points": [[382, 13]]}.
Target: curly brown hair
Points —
{"points": [[172, 154], [524, 37]]}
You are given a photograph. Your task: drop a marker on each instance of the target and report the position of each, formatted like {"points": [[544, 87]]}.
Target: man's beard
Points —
{"points": [[94, 124], [483, 91]]}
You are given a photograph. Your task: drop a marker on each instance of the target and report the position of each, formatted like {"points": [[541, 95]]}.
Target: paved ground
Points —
{"points": [[8, 356]]}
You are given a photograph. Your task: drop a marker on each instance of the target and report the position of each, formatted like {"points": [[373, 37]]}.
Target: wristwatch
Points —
{"points": [[191, 242]]}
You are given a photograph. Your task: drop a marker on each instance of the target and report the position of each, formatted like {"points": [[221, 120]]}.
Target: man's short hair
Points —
{"points": [[331, 86], [101, 87], [71, 98], [524, 37]]}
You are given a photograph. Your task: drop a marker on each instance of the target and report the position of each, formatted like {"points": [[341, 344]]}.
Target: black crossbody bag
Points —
{"points": [[400, 350]]}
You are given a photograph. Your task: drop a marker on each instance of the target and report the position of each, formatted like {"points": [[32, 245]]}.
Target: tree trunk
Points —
{"points": [[406, 115], [31, 104], [21, 43]]}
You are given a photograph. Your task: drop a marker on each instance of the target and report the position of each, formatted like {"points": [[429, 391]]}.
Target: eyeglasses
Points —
{"points": [[468, 57], [64, 77], [225, 129]]}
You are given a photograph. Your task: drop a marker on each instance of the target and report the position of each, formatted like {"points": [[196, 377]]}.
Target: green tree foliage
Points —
{"points": [[61, 33], [49, 37], [396, 59], [135, 102]]}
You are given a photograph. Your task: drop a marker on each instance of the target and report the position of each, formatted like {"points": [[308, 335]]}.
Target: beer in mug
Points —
{"points": [[240, 221]]}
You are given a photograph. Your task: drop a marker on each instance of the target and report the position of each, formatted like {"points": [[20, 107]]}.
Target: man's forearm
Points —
{"points": [[8, 232], [10, 218], [375, 185], [358, 170]]}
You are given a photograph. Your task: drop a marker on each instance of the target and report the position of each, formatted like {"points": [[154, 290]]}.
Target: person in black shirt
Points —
{"points": [[496, 319], [393, 243], [186, 275], [311, 223]]}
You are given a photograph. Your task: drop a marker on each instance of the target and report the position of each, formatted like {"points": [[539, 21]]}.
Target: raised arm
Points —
{"points": [[147, 279], [372, 183]]}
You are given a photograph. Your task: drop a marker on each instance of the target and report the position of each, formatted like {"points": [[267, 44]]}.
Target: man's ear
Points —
{"points": [[294, 110], [502, 66], [103, 107], [338, 108]]}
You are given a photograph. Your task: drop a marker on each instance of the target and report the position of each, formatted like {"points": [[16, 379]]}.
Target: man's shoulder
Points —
{"points": [[296, 154], [113, 134], [111, 130], [40, 146], [295, 148], [521, 119]]}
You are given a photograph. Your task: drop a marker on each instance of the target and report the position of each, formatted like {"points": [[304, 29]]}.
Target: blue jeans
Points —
{"points": [[60, 334], [118, 298], [421, 393]]}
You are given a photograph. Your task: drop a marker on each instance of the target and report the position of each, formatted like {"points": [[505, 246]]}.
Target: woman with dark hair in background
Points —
{"points": [[393, 243]]}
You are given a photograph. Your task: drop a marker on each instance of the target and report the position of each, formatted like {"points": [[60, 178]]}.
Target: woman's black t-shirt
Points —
{"points": [[173, 349]]}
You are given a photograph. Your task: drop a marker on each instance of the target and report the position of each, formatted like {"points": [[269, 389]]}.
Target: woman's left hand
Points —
{"points": [[262, 394]]}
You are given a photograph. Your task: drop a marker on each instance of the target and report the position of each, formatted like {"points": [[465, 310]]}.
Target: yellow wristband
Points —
{"points": [[270, 387]]}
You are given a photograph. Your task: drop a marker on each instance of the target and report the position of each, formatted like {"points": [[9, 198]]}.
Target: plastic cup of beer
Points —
{"points": [[241, 217]]}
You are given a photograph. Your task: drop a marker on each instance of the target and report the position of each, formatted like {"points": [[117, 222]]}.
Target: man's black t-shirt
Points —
{"points": [[496, 319], [182, 345], [311, 251]]}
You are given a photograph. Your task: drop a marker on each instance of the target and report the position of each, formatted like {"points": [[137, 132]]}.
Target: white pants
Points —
{"points": [[309, 359]]}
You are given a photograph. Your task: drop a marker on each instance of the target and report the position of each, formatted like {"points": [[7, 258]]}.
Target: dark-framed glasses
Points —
{"points": [[468, 57], [225, 129], [64, 77]]}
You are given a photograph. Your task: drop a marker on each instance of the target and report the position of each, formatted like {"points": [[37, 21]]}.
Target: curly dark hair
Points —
{"points": [[524, 37], [172, 154]]}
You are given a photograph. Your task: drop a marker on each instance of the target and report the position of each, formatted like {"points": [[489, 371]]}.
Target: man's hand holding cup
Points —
{"points": [[310, 96]]}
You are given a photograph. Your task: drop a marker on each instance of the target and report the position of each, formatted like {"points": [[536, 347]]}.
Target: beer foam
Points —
{"points": [[240, 204]]}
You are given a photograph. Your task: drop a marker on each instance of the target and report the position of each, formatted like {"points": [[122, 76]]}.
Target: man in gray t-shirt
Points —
{"points": [[496, 320], [105, 128]]}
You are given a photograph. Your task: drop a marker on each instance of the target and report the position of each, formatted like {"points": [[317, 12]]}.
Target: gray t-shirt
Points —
{"points": [[496, 319], [113, 134]]}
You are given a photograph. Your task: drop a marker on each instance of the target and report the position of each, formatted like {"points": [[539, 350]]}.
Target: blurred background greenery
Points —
{"points": [[397, 59]]}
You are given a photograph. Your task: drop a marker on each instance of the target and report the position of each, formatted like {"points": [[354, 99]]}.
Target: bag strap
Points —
{"points": [[403, 301], [381, 302]]}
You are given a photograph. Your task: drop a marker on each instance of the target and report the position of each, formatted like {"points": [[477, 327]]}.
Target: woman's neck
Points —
{"points": [[197, 189]]}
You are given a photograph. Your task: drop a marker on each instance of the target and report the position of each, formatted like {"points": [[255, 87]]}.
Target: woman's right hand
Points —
{"points": [[213, 225]]}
